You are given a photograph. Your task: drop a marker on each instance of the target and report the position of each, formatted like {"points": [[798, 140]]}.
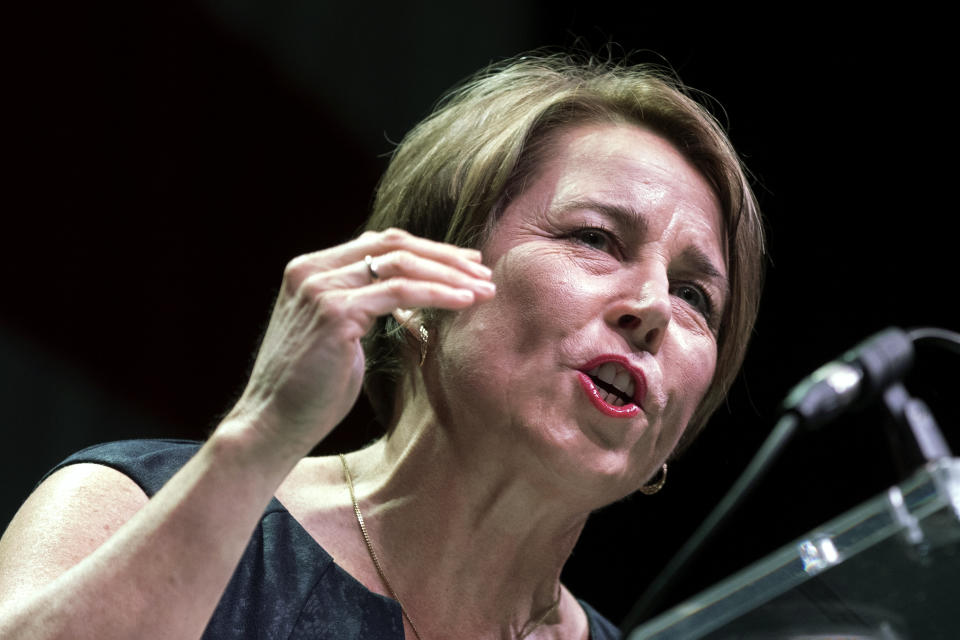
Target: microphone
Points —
{"points": [[852, 380]]}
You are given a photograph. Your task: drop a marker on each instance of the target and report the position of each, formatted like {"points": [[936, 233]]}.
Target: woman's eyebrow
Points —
{"points": [[629, 218], [625, 216], [698, 261]]}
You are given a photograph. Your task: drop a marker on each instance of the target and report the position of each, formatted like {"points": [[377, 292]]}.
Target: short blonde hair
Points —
{"points": [[455, 172]]}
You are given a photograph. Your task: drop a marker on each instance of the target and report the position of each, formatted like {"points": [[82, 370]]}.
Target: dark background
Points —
{"points": [[165, 160]]}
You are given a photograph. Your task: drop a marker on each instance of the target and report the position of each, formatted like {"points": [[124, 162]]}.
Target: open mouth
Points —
{"points": [[614, 383], [613, 386]]}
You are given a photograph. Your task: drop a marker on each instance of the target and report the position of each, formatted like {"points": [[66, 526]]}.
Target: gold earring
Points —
{"points": [[424, 340], [650, 489]]}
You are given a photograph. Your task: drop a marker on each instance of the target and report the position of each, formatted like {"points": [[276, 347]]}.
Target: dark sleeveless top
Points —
{"points": [[286, 585]]}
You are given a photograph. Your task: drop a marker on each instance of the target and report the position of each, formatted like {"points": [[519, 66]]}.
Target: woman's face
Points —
{"points": [[601, 340]]}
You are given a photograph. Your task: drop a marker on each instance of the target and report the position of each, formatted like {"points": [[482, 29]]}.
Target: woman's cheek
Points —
{"points": [[694, 374]]}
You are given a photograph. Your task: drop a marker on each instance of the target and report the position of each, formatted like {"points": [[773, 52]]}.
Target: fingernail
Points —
{"points": [[486, 287], [481, 270]]}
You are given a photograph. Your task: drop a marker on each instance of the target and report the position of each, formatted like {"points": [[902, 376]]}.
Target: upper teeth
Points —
{"points": [[612, 373]]}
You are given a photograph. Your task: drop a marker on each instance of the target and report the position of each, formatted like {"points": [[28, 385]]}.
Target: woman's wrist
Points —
{"points": [[256, 446]]}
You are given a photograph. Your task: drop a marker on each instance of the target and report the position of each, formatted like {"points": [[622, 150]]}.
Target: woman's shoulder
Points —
{"points": [[149, 463], [75, 508]]}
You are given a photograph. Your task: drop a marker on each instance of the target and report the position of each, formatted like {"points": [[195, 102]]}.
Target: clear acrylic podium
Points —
{"points": [[886, 570]]}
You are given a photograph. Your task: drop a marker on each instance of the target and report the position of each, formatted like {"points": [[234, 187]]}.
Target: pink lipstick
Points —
{"points": [[613, 385]]}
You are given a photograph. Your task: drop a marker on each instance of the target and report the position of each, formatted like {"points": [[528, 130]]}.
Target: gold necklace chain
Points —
{"points": [[383, 576]]}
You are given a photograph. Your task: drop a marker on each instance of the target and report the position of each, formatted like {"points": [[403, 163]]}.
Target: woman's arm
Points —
{"points": [[89, 556]]}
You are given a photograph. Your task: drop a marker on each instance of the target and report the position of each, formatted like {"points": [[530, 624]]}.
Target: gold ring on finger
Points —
{"points": [[371, 267]]}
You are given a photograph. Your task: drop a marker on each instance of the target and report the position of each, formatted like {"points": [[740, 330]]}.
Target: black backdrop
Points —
{"points": [[165, 160]]}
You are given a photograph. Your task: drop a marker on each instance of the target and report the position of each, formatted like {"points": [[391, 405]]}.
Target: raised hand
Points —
{"points": [[309, 368]]}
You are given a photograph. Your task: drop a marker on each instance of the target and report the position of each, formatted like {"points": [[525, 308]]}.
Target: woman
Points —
{"points": [[554, 293]]}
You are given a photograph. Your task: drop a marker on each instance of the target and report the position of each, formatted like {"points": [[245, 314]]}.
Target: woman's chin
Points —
{"points": [[599, 475]]}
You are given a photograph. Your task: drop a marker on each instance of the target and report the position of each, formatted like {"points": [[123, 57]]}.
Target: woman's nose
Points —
{"points": [[643, 316]]}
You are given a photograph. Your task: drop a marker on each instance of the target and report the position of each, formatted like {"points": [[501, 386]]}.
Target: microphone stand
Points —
{"points": [[889, 353], [914, 415]]}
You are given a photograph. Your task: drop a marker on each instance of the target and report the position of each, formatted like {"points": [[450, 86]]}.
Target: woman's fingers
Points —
{"points": [[411, 262], [379, 243], [364, 304], [455, 276], [409, 266], [404, 281], [310, 366]]}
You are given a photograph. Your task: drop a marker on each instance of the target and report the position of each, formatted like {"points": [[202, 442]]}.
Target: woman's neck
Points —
{"points": [[463, 529]]}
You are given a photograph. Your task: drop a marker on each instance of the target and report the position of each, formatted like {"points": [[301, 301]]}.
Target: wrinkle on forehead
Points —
{"points": [[638, 179], [653, 176], [642, 180]]}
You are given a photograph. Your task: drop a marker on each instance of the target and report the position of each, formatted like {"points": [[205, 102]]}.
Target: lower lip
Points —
{"points": [[626, 411]]}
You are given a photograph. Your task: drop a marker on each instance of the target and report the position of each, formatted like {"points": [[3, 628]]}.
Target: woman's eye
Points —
{"points": [[592, 237], [696, 297]]}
